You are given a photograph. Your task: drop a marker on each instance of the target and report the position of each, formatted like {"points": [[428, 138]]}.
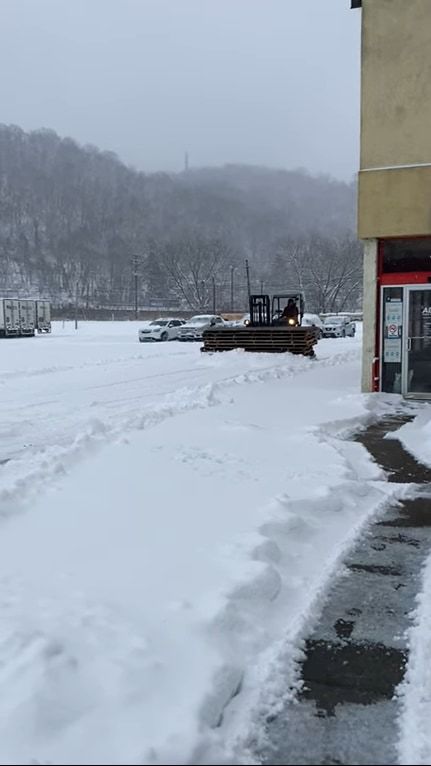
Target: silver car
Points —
{"points": [[338, 327]]}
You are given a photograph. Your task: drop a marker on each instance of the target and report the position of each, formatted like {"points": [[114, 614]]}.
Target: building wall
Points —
{"points": [[395, 203], [395, 119]]}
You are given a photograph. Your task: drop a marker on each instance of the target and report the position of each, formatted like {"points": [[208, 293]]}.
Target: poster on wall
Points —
{"points": [[393, 319], [393, 331], [392, 350], [426, 320]]}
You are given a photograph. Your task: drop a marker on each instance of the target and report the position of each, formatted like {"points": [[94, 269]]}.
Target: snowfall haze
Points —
{"points": [[259, 82]]}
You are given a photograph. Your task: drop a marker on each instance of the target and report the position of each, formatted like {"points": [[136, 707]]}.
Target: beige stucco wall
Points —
{"points": [[395, 203], [395, 82], [395, 118]]}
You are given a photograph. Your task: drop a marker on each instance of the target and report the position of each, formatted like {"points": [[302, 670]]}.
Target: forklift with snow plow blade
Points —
{"points": [[274, 326]]}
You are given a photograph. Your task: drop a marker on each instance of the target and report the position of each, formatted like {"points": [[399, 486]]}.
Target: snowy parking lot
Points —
{"points": [[170, 524]]}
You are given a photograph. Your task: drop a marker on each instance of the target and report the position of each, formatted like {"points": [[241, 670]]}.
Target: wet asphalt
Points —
{"points": [[346, 711]]}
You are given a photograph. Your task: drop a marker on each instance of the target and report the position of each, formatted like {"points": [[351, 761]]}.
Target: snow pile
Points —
{"points": [[415, 742], [135, 599], [416, 436]]}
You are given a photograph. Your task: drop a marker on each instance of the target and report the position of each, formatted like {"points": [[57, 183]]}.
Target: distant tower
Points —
{"points": [[186, 162]]}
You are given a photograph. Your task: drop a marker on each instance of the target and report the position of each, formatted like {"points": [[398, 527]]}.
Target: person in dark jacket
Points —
{"points": [[291, 311]]}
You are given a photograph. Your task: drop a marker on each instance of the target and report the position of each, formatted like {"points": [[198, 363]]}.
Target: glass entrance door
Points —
{"points": [[417, 359]]}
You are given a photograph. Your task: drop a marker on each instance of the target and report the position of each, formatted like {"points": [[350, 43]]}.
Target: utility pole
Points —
{"points": [[261, 286], [76, 306], [135, 266], [247, 271], [231, 288], [214, 295], [186, 162]]}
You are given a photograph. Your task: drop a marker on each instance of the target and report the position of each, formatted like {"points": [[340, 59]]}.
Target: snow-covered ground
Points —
{"points": [[416, 436], [171, 521]]}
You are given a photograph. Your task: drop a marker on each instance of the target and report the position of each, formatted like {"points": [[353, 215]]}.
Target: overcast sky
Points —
{"points": [[269, 82]]}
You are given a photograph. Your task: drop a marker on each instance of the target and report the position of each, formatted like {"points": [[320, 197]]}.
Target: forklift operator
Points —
{"points": [[291, 311]]}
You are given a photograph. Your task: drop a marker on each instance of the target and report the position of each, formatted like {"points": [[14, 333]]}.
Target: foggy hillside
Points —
{"points": [[73, 217]]}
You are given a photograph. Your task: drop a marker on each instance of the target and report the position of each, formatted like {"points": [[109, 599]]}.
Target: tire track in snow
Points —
{"points": [[19, 479]]}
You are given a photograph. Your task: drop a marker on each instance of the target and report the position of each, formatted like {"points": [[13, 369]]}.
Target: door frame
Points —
{"points": [[408, 289]]}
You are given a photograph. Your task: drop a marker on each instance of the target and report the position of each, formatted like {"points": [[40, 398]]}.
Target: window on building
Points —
{"points": [[403, 255]]}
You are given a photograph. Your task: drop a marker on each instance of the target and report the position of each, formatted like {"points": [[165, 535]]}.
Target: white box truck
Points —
{"points": [[43, 316], [9, 317], [27, 317]]}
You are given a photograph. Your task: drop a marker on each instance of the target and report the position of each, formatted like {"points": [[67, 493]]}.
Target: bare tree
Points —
{"points": [[191, 264], [71, 214], [327, 270]]}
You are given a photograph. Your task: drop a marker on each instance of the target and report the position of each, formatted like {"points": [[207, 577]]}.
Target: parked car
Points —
{"points": [[160, 330], [196, 326], [338, 327], [313, 320]]}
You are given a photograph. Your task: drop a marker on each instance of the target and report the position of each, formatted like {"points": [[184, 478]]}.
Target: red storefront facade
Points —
{"points": [[394, 195], [402, 361]]}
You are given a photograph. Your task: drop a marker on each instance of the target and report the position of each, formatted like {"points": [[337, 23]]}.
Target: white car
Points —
{"points": [[195, 327], [313, 320], [338, 327], [160, 330]]}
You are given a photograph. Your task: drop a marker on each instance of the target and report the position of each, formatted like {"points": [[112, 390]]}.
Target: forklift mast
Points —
{"points": [[260, 310]]}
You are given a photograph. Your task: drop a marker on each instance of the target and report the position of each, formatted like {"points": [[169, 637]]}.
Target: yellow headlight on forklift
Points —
{"points": [[291, 321]]}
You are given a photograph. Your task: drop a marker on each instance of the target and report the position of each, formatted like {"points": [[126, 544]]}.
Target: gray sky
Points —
{"points": [[270, 82]]}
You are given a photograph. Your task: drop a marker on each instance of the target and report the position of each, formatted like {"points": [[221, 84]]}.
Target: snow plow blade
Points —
{"points": [[296, 340]]}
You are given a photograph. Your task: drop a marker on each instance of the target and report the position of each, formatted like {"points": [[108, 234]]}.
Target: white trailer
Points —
{"points": [[43, 316], [9, 317], [27, 317]]}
